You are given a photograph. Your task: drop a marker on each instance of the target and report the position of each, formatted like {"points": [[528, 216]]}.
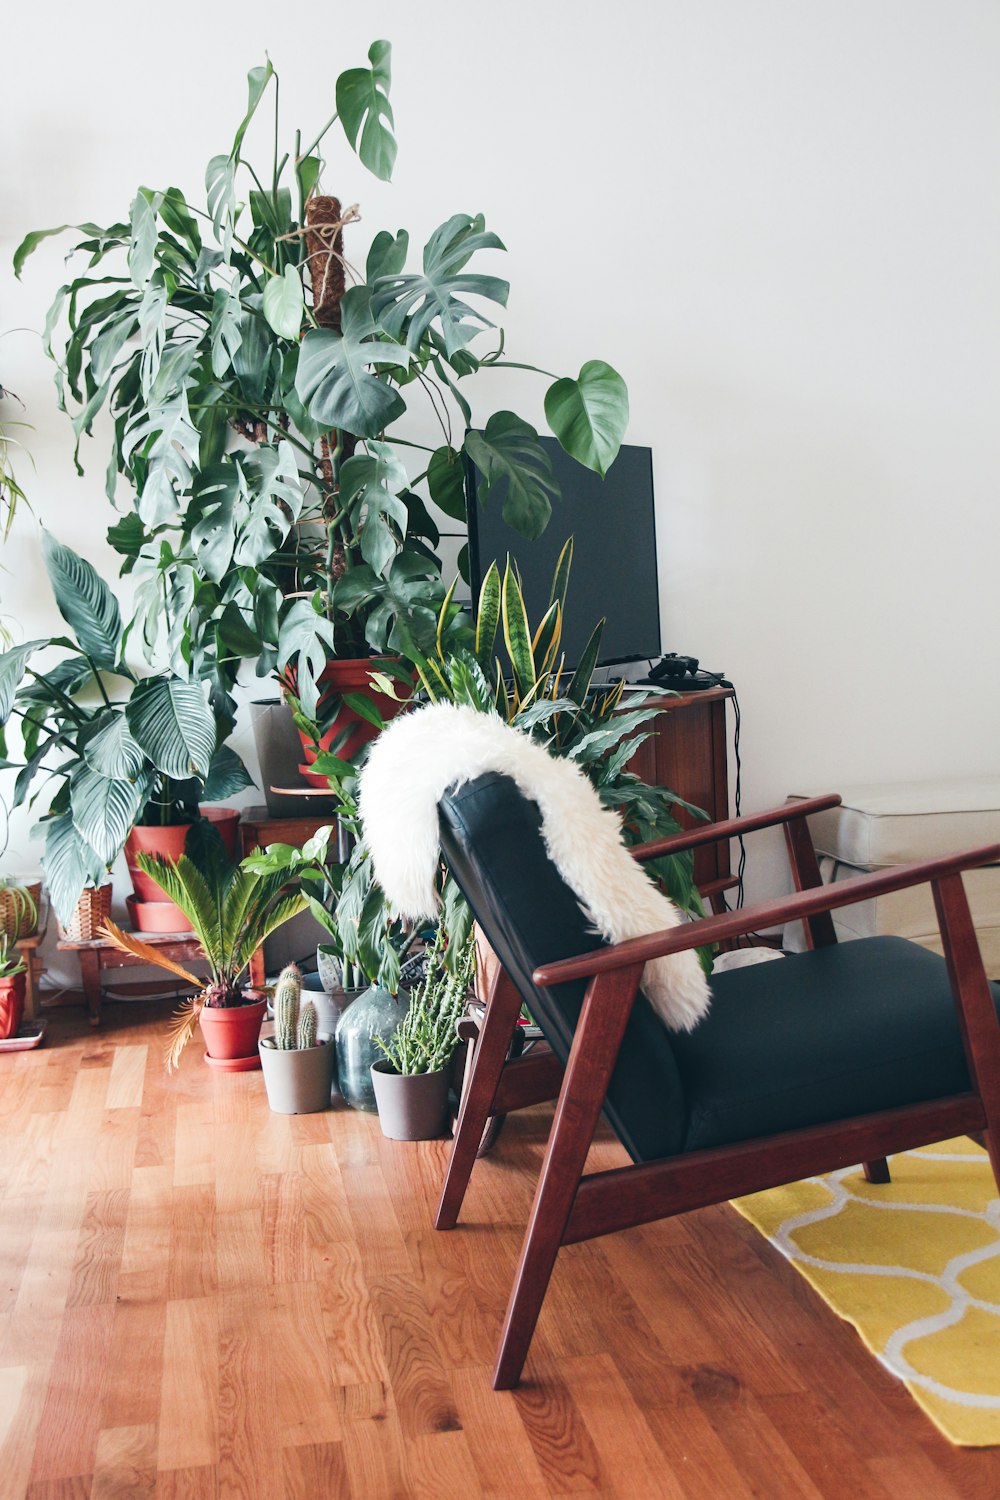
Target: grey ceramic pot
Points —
{"points": [[410, 1108], [298, 1082]]}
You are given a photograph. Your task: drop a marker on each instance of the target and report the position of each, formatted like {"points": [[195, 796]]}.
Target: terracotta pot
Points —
{"points": [[12, 992], [156, 916], [349, 675], [169, 842], [231, 1033]]}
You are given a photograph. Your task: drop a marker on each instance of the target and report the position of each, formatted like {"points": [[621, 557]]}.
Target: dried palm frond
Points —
{"points": [[129, 943], [182, 1025]]}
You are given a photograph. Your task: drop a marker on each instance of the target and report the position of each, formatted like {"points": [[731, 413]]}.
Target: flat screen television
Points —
{"points": [[613, 527]]}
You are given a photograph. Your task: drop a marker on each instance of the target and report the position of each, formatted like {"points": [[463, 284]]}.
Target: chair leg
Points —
{"points": [[977, 1017], [588, 1072], [877, 1171], [502, 1010]]}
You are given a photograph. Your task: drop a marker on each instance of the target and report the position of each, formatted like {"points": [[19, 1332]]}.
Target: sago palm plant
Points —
{"points": [[231, 909]]}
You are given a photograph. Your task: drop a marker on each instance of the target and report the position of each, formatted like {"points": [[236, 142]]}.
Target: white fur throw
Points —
{"points": [[423, 754]]}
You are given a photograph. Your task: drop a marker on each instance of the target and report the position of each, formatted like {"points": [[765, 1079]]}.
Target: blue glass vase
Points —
{"points": [[375, 1013]]}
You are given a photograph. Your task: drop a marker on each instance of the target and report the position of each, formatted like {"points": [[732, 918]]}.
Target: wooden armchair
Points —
{"points": [[842, 1054]]}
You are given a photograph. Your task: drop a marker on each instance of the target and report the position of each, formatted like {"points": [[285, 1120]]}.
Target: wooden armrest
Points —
{"points": [[732, 828], [766, 914]]}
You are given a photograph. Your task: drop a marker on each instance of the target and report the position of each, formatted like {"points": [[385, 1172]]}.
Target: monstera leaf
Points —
{"points": [[589, 415], [406, 305], [85, 602], [365, 112], [509, 457], [334, 380]]}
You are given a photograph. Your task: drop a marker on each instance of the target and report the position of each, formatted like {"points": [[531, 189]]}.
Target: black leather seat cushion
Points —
{"points": [[491, 839], [845, 1030]]}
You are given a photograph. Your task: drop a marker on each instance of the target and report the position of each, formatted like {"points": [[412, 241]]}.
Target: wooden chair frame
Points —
{"points": [[569, 1207]]}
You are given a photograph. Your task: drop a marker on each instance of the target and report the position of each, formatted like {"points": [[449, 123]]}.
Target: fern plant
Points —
{"points": [[231, 910]]}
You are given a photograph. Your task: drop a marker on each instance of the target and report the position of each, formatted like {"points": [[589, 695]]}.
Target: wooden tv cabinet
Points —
{"points": [[688, 753]]}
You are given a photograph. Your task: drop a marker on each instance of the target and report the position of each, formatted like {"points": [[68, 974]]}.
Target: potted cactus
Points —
{"points": [[297, 1060]]}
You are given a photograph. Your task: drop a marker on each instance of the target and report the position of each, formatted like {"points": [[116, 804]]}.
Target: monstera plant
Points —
{"points": [[273, 510], [110, 749]]}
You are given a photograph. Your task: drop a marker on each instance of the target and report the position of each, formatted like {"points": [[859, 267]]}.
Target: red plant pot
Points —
{"points": [[12, 990], [231, 1033], [169, 842], [350, 675]]}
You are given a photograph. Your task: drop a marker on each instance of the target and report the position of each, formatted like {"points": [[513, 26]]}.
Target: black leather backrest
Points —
{"points": [[491, 839]]}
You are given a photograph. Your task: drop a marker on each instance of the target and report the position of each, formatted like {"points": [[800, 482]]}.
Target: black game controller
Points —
{"points": [[673, 668]]}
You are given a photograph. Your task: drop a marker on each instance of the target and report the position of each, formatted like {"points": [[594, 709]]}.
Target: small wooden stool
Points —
{"points": [[101, 953]]}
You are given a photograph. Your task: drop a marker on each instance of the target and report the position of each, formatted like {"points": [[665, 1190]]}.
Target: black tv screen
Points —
{"points": [[613, 527]]}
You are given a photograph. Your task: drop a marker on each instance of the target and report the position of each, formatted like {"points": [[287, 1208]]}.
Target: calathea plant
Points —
{"points": [[110, 748], [276, 511]]}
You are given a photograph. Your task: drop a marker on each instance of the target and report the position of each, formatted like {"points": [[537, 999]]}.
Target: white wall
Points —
{"points": [[779, 220]]}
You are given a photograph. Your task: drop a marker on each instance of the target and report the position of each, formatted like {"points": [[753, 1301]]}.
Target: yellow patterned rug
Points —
{"points": [[915, 1266]]}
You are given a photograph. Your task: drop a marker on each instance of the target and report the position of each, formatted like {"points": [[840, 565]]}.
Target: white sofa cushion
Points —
{"points": [[878, 825]]}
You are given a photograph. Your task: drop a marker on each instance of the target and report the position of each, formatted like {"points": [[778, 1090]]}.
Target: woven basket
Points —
{"points": [[92, 911], [19, 918]]}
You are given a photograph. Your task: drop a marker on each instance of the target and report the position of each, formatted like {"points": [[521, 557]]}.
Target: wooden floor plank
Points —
{"points": [[200, 1299]]}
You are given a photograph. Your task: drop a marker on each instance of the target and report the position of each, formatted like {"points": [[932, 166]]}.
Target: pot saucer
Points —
{"points": [[233, 1064]]}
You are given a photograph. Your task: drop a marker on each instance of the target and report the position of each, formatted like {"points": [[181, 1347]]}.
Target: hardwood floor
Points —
{"points": [[199, 1298]]}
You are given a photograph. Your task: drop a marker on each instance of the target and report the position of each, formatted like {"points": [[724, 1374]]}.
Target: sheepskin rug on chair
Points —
{"points": [[424, 754]]}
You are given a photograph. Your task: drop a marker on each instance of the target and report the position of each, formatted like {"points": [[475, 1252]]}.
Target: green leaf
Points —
{"points": [[225, 333], [560, 578], [446, 482], [333, 379], [580, 683], [589, 415], [257, 81], [305, 641], [406, 305], [142, 249], [365, 112], [488, 617], [227, 775], [31, 242], [174, 213], [113, 752], [104, 809], [12, 667], [516, 633], [168, 440], [85, 602], [284, 303], [220, 186], [387, 255], [128, 536], [218, 490], [173, 723], [272, 211], [307, 172], [69, 863], [511, 460], [273, 501]]}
